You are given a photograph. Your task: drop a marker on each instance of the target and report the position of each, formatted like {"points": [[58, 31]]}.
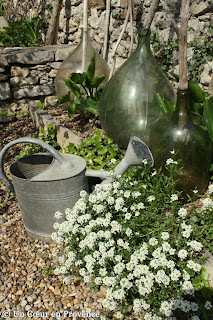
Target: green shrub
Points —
{"points": [[23, 33]]}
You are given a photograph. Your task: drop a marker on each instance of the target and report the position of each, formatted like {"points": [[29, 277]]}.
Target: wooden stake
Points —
{"points": [[182, 41], [151, 13], [52, 32], [118, 41], [108, 3], [131, 11]]}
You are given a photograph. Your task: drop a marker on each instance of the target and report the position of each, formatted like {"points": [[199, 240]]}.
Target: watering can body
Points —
{"points": [[46, 183], [39, 200], [42, 188]]}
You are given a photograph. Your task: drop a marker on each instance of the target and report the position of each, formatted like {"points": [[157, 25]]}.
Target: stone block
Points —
{"points": [[51, 101], [2, 69], [65, 136], [41, 119], [201, 8], [34, 91], [93, 19], [20, 81], [123, 3], [55, 65], [53, 73], [3, 77], [3, 62], [63, 53], [194, 25], [19, 72], [209, 265], [99, 4], [206, 75], [124, 13], [32, 57], [45, 120], [5, 91]]}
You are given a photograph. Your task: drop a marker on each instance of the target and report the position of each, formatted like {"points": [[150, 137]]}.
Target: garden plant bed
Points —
{"points": [[27, 281], [80, 125]]}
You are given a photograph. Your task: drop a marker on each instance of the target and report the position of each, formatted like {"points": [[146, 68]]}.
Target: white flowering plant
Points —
{"points": [[134, 237]]}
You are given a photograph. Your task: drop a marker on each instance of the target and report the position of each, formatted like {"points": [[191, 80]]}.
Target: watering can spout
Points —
{"points": [[137, 154]]}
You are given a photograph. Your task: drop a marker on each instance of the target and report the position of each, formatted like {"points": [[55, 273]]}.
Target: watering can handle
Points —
{"points": [[64, 163]]}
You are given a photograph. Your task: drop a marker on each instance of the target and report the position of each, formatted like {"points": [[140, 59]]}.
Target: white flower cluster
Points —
{"points": [[170, 161], [99, 234], [207, 204]]}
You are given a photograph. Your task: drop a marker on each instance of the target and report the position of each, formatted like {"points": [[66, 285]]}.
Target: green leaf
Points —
{"points": [[97, 81], [73, 87], [196, 94], [103, 151], [208, 115], [98, 160], [71, 109], [165, 105], [89, 105], [91, 69], [78, 77], [64, 99]]}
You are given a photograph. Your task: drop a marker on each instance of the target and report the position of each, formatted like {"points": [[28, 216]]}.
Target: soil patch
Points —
{"points": [[82, 125]]}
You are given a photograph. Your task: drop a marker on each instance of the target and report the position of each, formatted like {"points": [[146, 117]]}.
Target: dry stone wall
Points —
{"points": [[71, 18], [28, 74]]}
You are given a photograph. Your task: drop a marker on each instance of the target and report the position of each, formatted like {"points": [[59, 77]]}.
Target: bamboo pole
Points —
{"points": [[108, 6], [131, 9], [182, 41], [84, 35]]}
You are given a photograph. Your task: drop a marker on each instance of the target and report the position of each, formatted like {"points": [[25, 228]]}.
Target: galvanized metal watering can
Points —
{"points": [[45, 183]]}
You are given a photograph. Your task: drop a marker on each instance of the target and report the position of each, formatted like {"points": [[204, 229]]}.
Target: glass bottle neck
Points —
{"points": [[144, 39], [182, 104], [85, 35]]}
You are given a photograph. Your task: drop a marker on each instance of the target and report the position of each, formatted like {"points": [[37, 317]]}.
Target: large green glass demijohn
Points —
{"points": [[128, 104], [78, 62], [183, 131]]}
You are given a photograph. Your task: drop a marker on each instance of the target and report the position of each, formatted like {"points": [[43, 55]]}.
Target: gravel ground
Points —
{"points": [[28, 289]]}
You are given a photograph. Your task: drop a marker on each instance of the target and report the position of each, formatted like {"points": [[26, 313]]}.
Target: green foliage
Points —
{"points": [[99, 152], [41, 105], [2, 3], [49, 137], [23, 33], [202, 52], [6, 114], [164, 53], [165, 105], [46, 272], [87, 89], [200, 102], [208, 114]]}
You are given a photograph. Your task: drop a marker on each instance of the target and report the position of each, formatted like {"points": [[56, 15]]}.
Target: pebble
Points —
{"points": [[28, 307]]}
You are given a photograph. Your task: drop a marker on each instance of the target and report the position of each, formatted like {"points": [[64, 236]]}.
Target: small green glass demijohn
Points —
{"points": [[78, 62], [184, 132], [128, 104]]}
